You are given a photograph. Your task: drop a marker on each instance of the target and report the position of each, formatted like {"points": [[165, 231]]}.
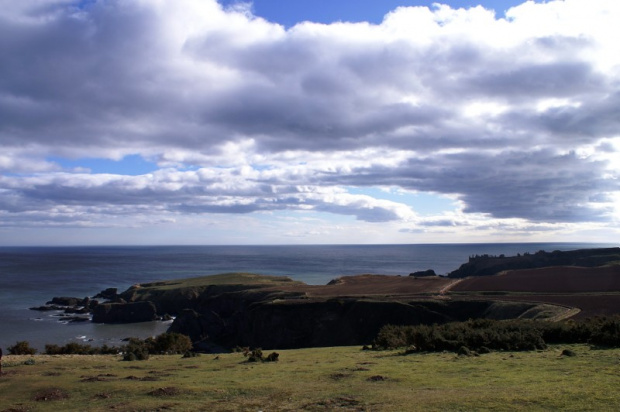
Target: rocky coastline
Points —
{"points": [[240, 309]]}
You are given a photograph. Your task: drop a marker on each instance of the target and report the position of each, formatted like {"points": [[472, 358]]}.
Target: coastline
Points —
{"points": [[31, 276]]}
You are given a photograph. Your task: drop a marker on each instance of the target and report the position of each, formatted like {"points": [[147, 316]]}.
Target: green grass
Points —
{"points": [[344, 378], [222, 279]]}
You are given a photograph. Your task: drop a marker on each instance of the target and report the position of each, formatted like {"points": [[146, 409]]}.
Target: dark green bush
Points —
{"points": [[568, 352], [136, 349], [164, 344], [608, 333], [272, 357], [171, 343], [464, 351], [256, 355], [74, 348], [21, 348], [190, 354], [511, 335]]}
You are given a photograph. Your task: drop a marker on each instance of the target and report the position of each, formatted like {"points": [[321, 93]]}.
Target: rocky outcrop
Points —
{"points": [[423, 273], [66, 301], [107, 294], [124, 312]]}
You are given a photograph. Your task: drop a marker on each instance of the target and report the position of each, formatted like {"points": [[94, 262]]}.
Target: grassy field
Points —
{"points": [[343, 378]]}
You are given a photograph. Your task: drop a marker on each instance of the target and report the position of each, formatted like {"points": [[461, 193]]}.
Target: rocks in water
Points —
{"points": [[423, 273], [124, 312], [65, 301], [46, 308]]}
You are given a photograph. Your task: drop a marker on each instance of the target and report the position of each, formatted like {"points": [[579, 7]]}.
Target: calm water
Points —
{"points": [[32, 276]]}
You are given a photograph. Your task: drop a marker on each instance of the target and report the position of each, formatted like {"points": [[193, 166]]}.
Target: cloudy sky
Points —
{"points": [[308, 121]]}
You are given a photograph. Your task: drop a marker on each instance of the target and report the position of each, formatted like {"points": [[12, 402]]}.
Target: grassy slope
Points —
{"points": [[320, 379], [222, 279]]}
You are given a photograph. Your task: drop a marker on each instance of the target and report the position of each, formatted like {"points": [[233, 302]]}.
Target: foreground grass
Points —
{"points": [[344, 378]]}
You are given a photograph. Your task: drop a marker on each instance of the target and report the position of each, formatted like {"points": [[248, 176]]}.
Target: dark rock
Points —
{"points": [[47, 308], [423, 273], [65, 301], [107, 294], [124, 312], [73, 319], [78, 310]]}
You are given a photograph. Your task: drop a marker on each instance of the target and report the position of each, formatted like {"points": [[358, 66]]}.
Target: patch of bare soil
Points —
{"points": [[103, 377], [54, 394], [102, 395], [377, 378], [339, 376], [166, 391], [340, 403], [144, 379]]}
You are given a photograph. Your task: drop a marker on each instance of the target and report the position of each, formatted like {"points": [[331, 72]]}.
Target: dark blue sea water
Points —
{"points": [[31, 276]]}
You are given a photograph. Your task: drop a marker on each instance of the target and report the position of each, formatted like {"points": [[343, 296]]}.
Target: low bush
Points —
{"points": [[164, 344], [256, 355], [484, 335], [21, 348], [74, 348], [136, 349]]}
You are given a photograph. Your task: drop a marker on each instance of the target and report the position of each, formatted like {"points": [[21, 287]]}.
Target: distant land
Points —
{"points": [[244, 309]]}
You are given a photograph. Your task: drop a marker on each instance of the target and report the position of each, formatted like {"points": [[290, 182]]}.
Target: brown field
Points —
{"points": [[563, 279], [594, 291], [375, 285]]}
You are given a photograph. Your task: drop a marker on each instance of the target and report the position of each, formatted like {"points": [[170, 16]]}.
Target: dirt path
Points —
{"points": [[449, 286]]}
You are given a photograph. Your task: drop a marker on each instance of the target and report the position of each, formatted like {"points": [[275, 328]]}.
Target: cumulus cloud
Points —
{"points": [[516, 117]]}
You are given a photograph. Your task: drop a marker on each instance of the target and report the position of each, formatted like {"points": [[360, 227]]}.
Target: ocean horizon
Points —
{"points": [[32, 275]]}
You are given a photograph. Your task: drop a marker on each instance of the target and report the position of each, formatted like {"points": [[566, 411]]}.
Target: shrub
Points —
{"points": [[171, 343], [74, 348], [255, 356], [483, 350], [607, 334], [568, 352], [166, 343], [464, 351], [272, 357], [21, 348], [190, 354], [136, 349]]}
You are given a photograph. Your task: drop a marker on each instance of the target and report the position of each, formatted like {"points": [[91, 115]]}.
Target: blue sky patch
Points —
{"points": [[132, 165]]}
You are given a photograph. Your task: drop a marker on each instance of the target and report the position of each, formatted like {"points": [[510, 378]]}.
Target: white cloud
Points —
{"points": [[516, 117]]}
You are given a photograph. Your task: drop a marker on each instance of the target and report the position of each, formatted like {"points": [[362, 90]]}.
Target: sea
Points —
{"points": [[31, 276]]}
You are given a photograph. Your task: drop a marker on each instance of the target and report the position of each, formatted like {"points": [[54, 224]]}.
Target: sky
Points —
{"points": [[142, 122]]}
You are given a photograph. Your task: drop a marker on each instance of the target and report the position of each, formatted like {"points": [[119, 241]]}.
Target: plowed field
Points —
{"points": [[563, 279]]}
